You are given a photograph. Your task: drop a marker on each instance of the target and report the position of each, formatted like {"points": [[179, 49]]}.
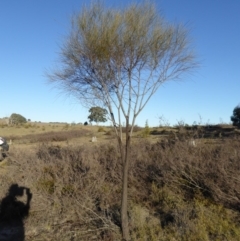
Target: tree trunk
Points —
{"points": [[124, 209]]}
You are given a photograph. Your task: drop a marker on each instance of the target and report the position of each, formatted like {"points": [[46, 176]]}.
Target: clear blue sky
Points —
{"points": [[32, 31]]}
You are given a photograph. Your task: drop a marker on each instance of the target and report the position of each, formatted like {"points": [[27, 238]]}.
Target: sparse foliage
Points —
{"points": [[235, 118], [146, 130], [163, 122], [119, 58]]}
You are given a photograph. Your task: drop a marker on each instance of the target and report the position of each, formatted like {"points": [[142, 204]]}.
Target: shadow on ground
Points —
{"points": [[13, 212]]}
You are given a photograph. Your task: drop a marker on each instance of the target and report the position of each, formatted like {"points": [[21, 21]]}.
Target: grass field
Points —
{"points": [[177, 190]]}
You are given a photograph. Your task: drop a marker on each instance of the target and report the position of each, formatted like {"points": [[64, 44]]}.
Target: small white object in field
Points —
{"points": [[192, 143], [94, 139], [2, 140]]}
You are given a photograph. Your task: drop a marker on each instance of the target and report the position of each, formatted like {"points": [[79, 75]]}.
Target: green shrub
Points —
{"points": [[146, 130], [101, 129]]}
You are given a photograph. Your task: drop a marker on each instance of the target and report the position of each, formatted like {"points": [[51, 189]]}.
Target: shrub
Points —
{"points": [[101, 129], [146, 130], [177, 192]]}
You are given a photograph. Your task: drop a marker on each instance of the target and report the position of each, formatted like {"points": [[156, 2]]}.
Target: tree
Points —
{"points": [[98, 114], [235, 118], [118, 58], [17, 119]]}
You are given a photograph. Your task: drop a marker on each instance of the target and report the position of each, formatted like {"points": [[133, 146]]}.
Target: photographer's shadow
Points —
{"points": [[13, 212]]}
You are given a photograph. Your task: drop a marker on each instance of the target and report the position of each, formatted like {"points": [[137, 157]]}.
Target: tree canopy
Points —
{"points": [[235, 118], [118, 58], [97, 114], [17, 119]]}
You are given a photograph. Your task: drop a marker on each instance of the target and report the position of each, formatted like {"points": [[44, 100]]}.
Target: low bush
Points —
{"points": [[176, 191], [101, 129]]}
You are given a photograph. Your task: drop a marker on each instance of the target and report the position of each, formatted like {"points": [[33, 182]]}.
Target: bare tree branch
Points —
{"points": [[119, 59]]}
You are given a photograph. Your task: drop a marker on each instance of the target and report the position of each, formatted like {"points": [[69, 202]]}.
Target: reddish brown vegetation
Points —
{"points": [[174, 189]]}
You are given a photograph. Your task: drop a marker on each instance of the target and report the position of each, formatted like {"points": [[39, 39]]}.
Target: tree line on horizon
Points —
{"points": [[98, 115]]}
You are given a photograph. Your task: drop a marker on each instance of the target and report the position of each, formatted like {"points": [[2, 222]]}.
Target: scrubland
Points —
{"points": [[177, 191]]}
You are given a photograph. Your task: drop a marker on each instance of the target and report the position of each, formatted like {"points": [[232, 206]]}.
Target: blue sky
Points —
{"points": [[32, 32]]}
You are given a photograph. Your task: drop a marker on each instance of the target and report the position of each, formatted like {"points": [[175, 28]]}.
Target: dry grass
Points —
{"points": [[176, 191], [58, 134]]}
